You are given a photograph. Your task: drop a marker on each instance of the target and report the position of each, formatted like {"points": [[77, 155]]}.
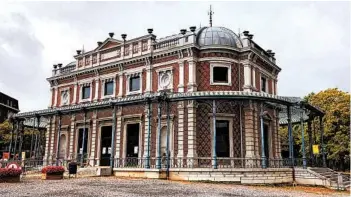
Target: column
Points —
{"points": [[254, 77], [310, 140], [97, 88], [47, 138], [249, 134], [181, 77], [180, 130], [291, 154], [263, 156], [72, 132], [192, 76], [192, 133], [247, 77], [321, 126], [120, 89], [93, 141], [55, 97], [256, 130], [303, 140], [147, 133], [158, 152], [118, 134], [114, 122], [52, 140]]}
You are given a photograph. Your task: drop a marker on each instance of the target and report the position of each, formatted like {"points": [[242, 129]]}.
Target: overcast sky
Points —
{"points": [[311, 39]]}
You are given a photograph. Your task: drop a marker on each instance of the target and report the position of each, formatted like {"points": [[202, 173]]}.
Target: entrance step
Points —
{"points": [[336, 180]]}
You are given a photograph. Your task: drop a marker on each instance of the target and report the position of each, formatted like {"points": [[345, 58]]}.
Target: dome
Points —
{"points": [[220, 36]]}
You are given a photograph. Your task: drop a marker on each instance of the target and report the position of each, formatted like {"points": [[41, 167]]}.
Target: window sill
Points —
{"points": [[84, 100], [220, 84], [133, 92]]}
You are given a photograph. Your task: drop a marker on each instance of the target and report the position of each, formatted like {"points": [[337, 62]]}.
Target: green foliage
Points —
{"points": [[336, 105]]}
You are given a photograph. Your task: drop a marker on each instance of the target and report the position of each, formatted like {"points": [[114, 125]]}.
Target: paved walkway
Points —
{"points": [[112, 186]]}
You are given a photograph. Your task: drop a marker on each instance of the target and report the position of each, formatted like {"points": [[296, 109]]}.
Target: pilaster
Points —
{"points": [[93, 139], [71, 142], [146, 129], [247, 78], [97, 88], [74, 101], [181, 77], [120, 89], [118, 134], [47, 140], [249, 132], [192, 86], [192, 132], [180, 129]]}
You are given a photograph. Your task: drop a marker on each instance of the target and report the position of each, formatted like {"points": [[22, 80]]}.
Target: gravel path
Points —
{"points": [[112, 186]]}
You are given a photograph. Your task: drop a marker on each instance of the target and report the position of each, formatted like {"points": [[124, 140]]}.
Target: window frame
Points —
{"points": [[83, 84], [212, 66], [129, 76], [265, 85]]}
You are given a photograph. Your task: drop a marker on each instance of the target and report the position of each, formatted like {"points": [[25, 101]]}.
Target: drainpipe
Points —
{"points": [[263, 155], [148, 134], [112, 157], [58, 139], [214, 135], [167, 142], [83, 140]]}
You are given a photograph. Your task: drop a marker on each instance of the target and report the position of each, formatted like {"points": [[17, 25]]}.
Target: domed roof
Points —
{"points": [[220, 36]]}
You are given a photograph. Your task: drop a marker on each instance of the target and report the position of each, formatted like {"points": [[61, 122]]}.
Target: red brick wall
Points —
{"points": [[270, 88], [203, 78], [258, 79]]}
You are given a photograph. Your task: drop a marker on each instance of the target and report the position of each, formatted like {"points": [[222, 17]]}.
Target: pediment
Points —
{"points": [[108, 43]]}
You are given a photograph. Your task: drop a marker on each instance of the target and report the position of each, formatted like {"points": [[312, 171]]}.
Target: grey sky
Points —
{"points": [[311, 39]]}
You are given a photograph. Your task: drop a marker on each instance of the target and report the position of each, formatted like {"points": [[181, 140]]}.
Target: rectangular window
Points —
{"points": [[87, 60], [86, 92], [144, 46], [220, 74], [135, 48], [94, 59], [263, 84], [108, 88], [126, 50], [134, 83]]}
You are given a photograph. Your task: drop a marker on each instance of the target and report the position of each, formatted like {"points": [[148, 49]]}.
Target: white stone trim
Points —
{"points": [[74, 101], [55, 97], [213, 65], [162, 71], [120, 83], [181, 76], [247, 77], [66, 89], [192, 76]]}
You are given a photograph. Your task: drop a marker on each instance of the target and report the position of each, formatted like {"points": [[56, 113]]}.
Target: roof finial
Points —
{"points": [[210, 13]]}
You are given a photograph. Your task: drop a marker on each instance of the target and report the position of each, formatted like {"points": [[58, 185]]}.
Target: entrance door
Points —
{"points": [[222, 138], [62, 154], [105, 148], [266, 144], [132, 139], [83, 150]]}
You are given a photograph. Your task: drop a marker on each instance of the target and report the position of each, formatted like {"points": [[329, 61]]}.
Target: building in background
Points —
{"points": [[8, 105]]}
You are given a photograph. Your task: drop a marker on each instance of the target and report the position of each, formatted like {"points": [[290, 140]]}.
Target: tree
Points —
{"points": [[336, 105]]}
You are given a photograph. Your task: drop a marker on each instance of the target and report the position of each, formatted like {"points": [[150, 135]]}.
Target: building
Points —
{"points": [[8, 106], [207, 95]]}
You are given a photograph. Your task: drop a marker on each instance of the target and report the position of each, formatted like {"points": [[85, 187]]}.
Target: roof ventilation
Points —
{"points": [[59, 65], [150, 30], [55, 66], [124, 36], [192, 28]]}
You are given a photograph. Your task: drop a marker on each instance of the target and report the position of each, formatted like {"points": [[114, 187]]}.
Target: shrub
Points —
{"points": [[10, 172], [53, 170]]}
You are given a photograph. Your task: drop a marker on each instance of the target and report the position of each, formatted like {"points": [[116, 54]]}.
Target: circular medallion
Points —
{"points": [[165, 80]]}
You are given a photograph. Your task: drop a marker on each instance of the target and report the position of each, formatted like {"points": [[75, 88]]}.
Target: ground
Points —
{"points": [[112, 186]]}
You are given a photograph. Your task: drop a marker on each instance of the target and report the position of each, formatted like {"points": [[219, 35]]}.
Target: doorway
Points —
{"points": [[105, 148], [266, 142], [132, 144], [62, 154], [83, 150], [222, 138]]}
